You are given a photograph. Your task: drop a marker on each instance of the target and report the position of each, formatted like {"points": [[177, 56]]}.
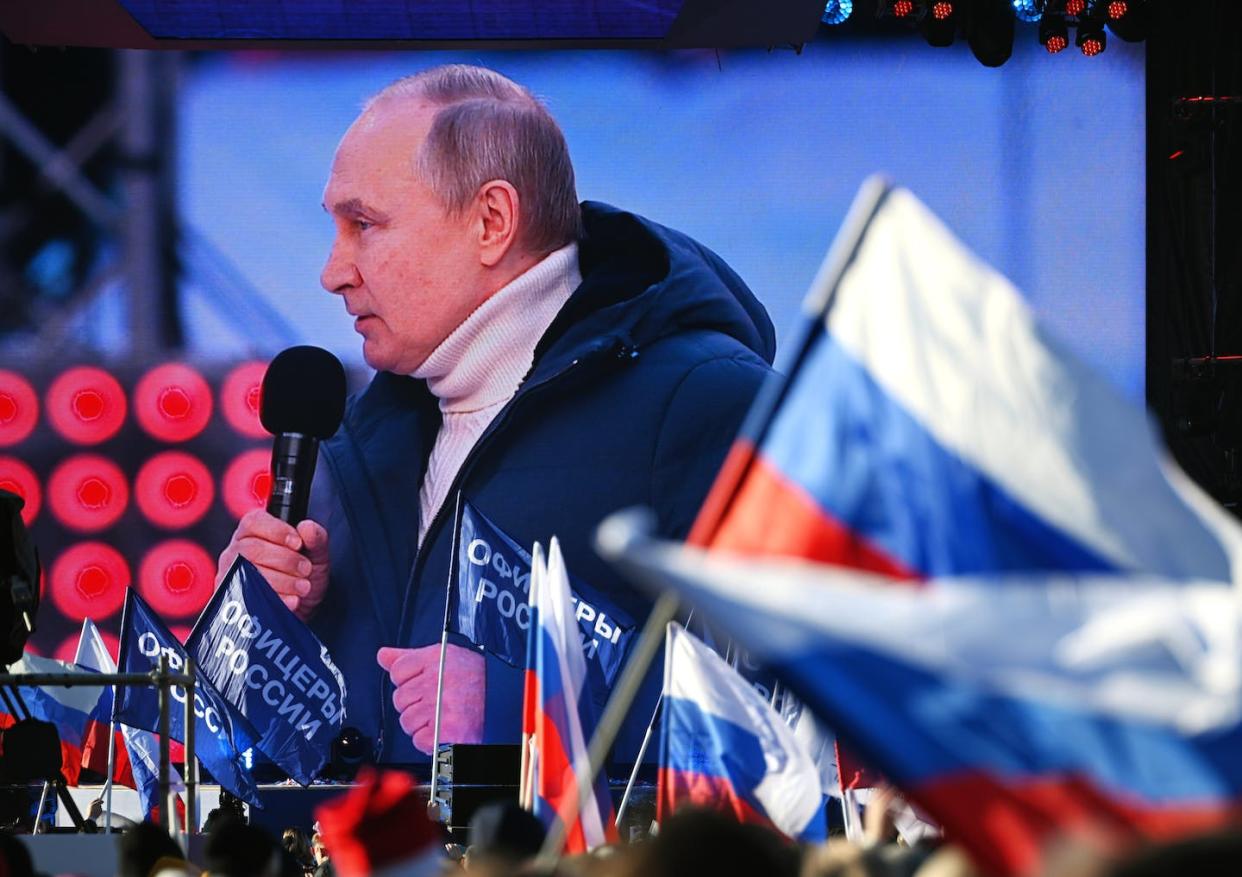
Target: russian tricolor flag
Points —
{"points": [[69, 709], [930, 427], [1072, 657], [723, 746], [560, 712]]}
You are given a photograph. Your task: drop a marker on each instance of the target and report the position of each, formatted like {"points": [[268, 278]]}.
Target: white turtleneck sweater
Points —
{"points": [[478, 368]]}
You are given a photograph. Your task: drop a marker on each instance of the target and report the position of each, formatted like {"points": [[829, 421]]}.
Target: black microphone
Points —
{"points": [[302, 404]]}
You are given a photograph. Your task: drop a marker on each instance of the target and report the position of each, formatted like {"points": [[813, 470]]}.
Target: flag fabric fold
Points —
{"points": [[221, 734], [563, 717], [69, 709], [723, 746], [273, 669], [1010, 713], [929, 427]]}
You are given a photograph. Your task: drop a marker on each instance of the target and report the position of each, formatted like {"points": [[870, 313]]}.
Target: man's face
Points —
{"points": [[409, 273]]}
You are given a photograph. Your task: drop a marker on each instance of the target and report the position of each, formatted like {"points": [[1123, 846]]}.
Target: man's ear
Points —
{"points": [[499, 212]]}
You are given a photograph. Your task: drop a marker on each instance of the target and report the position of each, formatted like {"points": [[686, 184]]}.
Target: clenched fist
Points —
{"points": [[413, 672], [294, 560]]}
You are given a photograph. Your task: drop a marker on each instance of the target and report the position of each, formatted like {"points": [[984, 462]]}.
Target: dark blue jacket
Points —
{"points": [[637, 390]]}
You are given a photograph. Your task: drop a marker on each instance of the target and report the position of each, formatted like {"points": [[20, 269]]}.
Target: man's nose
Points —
{"points": [[340, 273]]}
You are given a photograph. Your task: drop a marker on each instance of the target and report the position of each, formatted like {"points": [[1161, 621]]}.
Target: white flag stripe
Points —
{"points": [[953, 342]]}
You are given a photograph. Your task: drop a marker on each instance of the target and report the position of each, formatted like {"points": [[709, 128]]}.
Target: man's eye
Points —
{"points": [[362, 224]]}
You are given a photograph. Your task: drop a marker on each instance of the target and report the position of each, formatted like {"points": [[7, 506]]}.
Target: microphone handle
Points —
{"points": [[293, 467]]}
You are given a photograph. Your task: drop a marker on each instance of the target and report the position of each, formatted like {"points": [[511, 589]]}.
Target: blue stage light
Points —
{"points": [[837, 11], [1028, 10]]}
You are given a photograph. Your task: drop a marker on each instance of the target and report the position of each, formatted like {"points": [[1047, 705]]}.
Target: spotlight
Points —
{"points": [[1129, 19], [1028, 10], [1053, 33], [989, 30], [1091, 38], [1075, 7], [901, 8], [940, 23], [837, 11]]}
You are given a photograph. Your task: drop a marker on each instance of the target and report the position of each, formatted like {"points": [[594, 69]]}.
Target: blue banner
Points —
{"points": [[271, 667], [490, 603], [221, 734]]}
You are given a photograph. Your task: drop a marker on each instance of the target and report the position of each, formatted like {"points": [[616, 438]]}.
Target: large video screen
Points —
{"points": [[136, 471]]}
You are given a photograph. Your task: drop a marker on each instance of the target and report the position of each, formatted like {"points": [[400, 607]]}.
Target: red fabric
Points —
{"points": [[772, 516], [95, 754], [70, 755], [677, 788], [378, 823], [1005, 825], [853, 773]]}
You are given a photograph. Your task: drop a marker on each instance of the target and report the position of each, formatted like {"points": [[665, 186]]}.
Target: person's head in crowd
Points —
{"points": [[696, 841], [296, 843], [450, 184], [236, 849], [15, 858], [144, 846], [502, 834]]}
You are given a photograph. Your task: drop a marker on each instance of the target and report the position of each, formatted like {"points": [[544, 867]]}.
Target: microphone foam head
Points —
{"points": [[303, 392]]}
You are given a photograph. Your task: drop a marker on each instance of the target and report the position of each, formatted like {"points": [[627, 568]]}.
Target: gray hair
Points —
{"points": [[490, 128]]}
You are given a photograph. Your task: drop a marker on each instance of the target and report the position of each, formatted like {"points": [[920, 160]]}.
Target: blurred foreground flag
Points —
{"points": [[722, 746], [1075, 658], [1011, 713], [929, 427], [560, 709]]}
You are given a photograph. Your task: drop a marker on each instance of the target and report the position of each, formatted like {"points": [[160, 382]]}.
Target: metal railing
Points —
{"points": [[163, 679]]}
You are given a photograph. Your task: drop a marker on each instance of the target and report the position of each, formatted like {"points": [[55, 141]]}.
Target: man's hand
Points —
{"points": [[273, 546], [413, 672]]}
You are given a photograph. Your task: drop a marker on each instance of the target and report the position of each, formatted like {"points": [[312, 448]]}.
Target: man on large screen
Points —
{"points": [[548, 361]]}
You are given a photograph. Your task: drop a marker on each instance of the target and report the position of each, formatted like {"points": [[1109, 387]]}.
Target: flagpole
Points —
{"points": [[638, 762], [650, 640], [435, 727], [111, 767]]}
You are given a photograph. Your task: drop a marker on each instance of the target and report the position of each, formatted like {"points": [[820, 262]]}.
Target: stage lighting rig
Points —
{"points": [[1053, 33], [837, 11], [1091, 37], [1129, 19], [939, 22], [989, 30]]}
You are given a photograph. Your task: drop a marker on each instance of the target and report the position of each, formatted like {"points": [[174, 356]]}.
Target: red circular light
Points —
{"points": [[1075, 7], [1092, 47], [172, 402], [19, 408], [941, 10], [17, 477], [1056, 44], [86, 405], [174, 490], [68, 650], [240, 398], [247, 482], [902, 8], [177, 577], [89, 581], [1118, 9], [87, 493]]}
